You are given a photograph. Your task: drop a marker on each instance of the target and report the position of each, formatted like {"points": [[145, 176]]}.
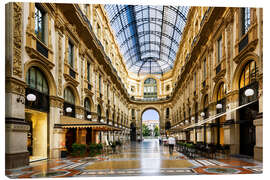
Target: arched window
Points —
{"points": [[248, 81], [150, 88], [36, 80], [37, 85], [87, 108], [248, 75], [205, 107], [221, 98], [69, 102]]}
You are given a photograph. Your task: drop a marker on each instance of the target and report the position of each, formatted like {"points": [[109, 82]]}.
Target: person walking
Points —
{"points": [[171, 144]]}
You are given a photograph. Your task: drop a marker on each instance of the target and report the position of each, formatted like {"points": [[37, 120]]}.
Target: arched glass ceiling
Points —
{"points": [[148, 36]]}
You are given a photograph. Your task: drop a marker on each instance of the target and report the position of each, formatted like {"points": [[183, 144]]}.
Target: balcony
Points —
{"points": [[220, 70], [246, 43]]}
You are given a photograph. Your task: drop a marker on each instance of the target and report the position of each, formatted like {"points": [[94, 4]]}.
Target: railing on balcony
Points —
{"points": [[205, 16], [149, 99], [42, 49], [204, 83], [72, 73], [218, 68], [243, 43], [89, 86]]}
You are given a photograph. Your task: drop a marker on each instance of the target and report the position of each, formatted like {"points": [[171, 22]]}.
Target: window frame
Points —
{"points": [[38, 8]]}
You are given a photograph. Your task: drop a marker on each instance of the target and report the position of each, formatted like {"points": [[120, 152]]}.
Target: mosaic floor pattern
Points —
{"points": [[144, 159]]}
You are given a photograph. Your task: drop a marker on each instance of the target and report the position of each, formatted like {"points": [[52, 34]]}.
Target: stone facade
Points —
{"points": [[109, 84]]}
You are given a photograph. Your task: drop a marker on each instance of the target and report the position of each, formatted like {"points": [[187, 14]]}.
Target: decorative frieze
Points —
{"points": [[56, 102]]}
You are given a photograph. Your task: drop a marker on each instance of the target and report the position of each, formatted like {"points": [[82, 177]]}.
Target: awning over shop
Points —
{"points": [[70, 122]]}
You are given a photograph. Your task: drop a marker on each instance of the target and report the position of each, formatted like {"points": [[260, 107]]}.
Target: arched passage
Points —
{"points": [[150, 123]]}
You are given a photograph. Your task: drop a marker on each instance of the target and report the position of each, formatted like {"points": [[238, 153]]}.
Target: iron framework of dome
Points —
{"points": [[148, 36]]}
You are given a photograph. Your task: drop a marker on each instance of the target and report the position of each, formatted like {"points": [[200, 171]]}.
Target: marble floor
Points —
{"points": [[137, 159]]}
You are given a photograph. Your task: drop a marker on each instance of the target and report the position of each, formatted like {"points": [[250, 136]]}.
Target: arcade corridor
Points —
{"points": [[136, 159]]}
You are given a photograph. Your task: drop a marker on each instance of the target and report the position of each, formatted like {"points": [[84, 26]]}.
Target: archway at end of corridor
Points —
{"points": [[150, 124]]}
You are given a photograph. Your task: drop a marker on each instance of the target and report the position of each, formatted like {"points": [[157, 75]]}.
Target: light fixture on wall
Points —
{"points": [[219, 106], [202, 114], [249, 92], [89, 116], [192, 118], [68, 109], [31, 97], [186, 121]]}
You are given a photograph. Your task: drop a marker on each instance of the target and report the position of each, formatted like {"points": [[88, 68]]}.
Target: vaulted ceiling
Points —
{"points": [[148, 36]]}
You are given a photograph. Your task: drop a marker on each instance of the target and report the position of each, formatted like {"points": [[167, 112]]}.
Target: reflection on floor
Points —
{"points": [[147, 158]]}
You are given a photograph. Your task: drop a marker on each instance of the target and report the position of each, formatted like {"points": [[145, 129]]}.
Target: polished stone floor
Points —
{"points": [[137, 159]]}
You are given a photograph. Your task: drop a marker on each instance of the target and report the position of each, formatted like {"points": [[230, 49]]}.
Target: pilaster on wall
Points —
{"points": [[16, 128]]}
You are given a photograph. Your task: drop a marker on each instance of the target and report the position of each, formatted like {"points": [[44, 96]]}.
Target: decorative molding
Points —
{"points": [[17, 39], [57, 102], [15, 86]]}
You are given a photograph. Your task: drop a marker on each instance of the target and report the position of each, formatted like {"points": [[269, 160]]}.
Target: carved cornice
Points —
{"points": [[15, 86], [56, 102], [68, 78]]}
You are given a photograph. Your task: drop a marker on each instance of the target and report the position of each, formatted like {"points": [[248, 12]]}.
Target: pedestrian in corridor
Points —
{"points": [[171, 144]]}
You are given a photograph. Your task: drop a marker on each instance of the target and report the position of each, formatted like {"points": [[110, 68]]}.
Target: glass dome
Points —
{"points": [[148, 36]]}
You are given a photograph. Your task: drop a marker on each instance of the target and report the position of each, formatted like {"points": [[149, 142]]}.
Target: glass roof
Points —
{"points": [[148, 36]]}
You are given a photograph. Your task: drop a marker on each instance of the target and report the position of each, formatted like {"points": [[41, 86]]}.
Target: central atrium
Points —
{"points": [[83, 79]]}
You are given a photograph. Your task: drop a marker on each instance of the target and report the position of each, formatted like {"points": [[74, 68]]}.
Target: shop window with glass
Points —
{"points": [[37, 85], [69, 103], [39, 23], [87, 109], [150, 88], [248, 81], [245, 20]]}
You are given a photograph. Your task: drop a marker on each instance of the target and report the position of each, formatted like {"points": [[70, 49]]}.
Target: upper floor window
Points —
{"points": [[194, 81], [204, 69], [132, 88], [167, 87], [39, 23], [133, 113], [245, 20], [69, 102], [70, 53], [150, 88], [219, 49], [99, 84], [88, 71], [167, 112]]}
